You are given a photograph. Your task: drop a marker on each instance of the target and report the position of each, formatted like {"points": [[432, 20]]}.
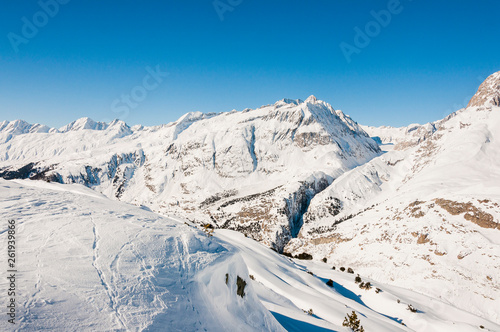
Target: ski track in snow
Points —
{"points": [[110, 291]]}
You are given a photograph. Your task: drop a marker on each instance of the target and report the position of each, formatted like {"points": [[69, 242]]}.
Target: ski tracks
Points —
{"points": [[185, 275], [110, 292], [33, 299]]}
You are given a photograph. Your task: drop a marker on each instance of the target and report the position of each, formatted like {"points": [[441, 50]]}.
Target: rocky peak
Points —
{"points": [[488, 92]]}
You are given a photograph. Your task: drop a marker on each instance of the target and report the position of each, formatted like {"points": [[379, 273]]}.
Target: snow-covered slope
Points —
{"points": [[254, 171], [426, 217], [87, 263], [289, 288]]}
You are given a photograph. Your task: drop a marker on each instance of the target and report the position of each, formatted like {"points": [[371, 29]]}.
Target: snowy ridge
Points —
{"points": [[18, 127], [84, 123]]}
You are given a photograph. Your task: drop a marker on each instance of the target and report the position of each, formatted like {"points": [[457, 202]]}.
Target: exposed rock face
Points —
{"points": [[254, 171], [278, 211], [488, 92]]}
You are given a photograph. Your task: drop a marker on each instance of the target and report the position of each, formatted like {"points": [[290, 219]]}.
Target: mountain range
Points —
{"points": [[414, 208]]}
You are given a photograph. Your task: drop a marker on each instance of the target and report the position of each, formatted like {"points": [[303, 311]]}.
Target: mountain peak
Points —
{"points": [[84, 123], [488, 92], [311, 99], [287, 101]]}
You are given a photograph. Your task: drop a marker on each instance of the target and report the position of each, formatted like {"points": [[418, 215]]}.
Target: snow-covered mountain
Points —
{"points": [[254, 171], [88, 263], [425, 216], [305, 179], [22, 127]]}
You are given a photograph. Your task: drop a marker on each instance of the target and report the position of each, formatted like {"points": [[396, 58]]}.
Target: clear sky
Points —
{"points": [[93, 58]]}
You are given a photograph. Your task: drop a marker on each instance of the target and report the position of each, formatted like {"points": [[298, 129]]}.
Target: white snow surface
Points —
{"points": [[87, 263], [288, 287]]}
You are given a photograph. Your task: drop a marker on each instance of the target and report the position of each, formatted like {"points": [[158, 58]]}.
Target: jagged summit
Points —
{"points": [[488, 92]]}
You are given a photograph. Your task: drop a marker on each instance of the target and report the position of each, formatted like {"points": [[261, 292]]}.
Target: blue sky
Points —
{"points": [[85, 57]]}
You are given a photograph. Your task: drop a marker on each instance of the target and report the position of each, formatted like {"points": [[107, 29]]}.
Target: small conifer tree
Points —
{"points": [[353, 322]]}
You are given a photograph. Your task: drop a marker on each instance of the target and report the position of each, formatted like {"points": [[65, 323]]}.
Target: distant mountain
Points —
{"points": [[254, 171], [402, 137], [18, 127]]}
